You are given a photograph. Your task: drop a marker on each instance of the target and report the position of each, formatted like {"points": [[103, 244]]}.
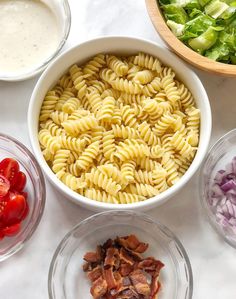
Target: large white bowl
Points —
{"points": [[120, 45]]}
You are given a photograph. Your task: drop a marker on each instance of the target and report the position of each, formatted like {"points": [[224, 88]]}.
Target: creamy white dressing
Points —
{"points": [[29, 34]]}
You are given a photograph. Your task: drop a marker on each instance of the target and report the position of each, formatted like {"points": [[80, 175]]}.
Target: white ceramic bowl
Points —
{"points": [[120, 45]]}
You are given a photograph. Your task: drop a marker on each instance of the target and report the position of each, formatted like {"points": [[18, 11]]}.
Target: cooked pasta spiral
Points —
{"points": [[88, 155], [148, 61], [94, 65], [118, 66], [102, 181]]}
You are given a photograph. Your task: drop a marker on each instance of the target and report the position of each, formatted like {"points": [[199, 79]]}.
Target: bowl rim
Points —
{"points": [[67, 26], [141, 215], [33, 228], [92, 204], [206, 210], [181, 49]]}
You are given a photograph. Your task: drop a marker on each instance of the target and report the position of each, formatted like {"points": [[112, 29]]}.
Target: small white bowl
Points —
{"points": [[126, 46], [61, 9]]}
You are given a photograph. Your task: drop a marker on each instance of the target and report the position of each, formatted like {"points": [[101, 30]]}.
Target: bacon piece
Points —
{"points": [[112, 255], [95, 273], [155, 287], [91, 257], [107, 244], [94, 257], [125, 269], [126, 257], [110, 279], [142, 247], [151, 266], [87, 267], [140, 283], [129, 293], [132, 243], [99, 288]]}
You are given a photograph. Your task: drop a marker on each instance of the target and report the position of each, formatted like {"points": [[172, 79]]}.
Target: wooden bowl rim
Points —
{"points": [[181, 49]]}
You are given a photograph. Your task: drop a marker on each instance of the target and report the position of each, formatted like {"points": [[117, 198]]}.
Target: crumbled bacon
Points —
{"points": [[155, 287], [99, 288], [118, 271], [126, 257], [131, 242], [112, 255], [140, 283], [110, 279], [95, 273], [125, 269], [151, 266]]}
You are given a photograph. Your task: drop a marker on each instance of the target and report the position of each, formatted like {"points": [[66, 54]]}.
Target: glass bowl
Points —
{"points": [[67, 279], [218, 157], [35, 187], [62, 11]]}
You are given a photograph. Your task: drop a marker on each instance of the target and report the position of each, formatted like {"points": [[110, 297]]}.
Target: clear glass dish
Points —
{"points": [[219, 155], [35, 187], [62, 11], [67, 279]]}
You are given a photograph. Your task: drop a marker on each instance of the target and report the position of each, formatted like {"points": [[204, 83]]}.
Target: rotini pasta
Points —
{"points": [[119, 130]]}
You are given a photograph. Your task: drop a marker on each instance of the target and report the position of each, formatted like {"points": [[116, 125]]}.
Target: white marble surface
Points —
{"points": [[24, 276]]}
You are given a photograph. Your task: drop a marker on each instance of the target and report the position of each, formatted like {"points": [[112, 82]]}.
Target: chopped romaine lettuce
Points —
{"points": [[175, 13], [204, 41], [230, 11], [206, 26], [216, 8], [197, 26], [176, 28], [217, 52], [233, 59], [203, 2]]}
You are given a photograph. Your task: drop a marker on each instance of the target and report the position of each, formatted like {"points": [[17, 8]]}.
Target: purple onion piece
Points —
{"points": [[228, 186], [222, 197], [219, 176]]}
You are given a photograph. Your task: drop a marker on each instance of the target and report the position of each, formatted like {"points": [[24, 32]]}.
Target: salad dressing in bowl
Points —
{"points": [[29, 36]]}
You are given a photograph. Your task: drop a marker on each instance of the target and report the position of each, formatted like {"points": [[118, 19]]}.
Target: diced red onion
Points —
{"points": [[228, 186], [222, 196], [219, 176]]}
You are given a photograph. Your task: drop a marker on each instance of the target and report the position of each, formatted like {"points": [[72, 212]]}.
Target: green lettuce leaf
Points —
{"points": [[175, 13], [216, 8], [197, 26], [176, 28], [224, 47], [204, 41], [233, 59], [203, 2]]}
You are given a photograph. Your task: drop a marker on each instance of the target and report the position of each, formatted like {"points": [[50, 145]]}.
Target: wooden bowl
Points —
{"points": [[181, 49]]}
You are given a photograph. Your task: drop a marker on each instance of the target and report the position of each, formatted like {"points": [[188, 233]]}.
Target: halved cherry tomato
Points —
{"points": [[25, 194], [11, 230], [4, 185], [26, 212], [20, 181], [14, 210], [9, 168]]}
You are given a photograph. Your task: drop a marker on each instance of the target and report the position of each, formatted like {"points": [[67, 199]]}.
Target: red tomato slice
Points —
{"points": [[26, 211], [25, 194], [11, 230], [14, 210], [20, 181], [9, 168], [4, 185]]}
